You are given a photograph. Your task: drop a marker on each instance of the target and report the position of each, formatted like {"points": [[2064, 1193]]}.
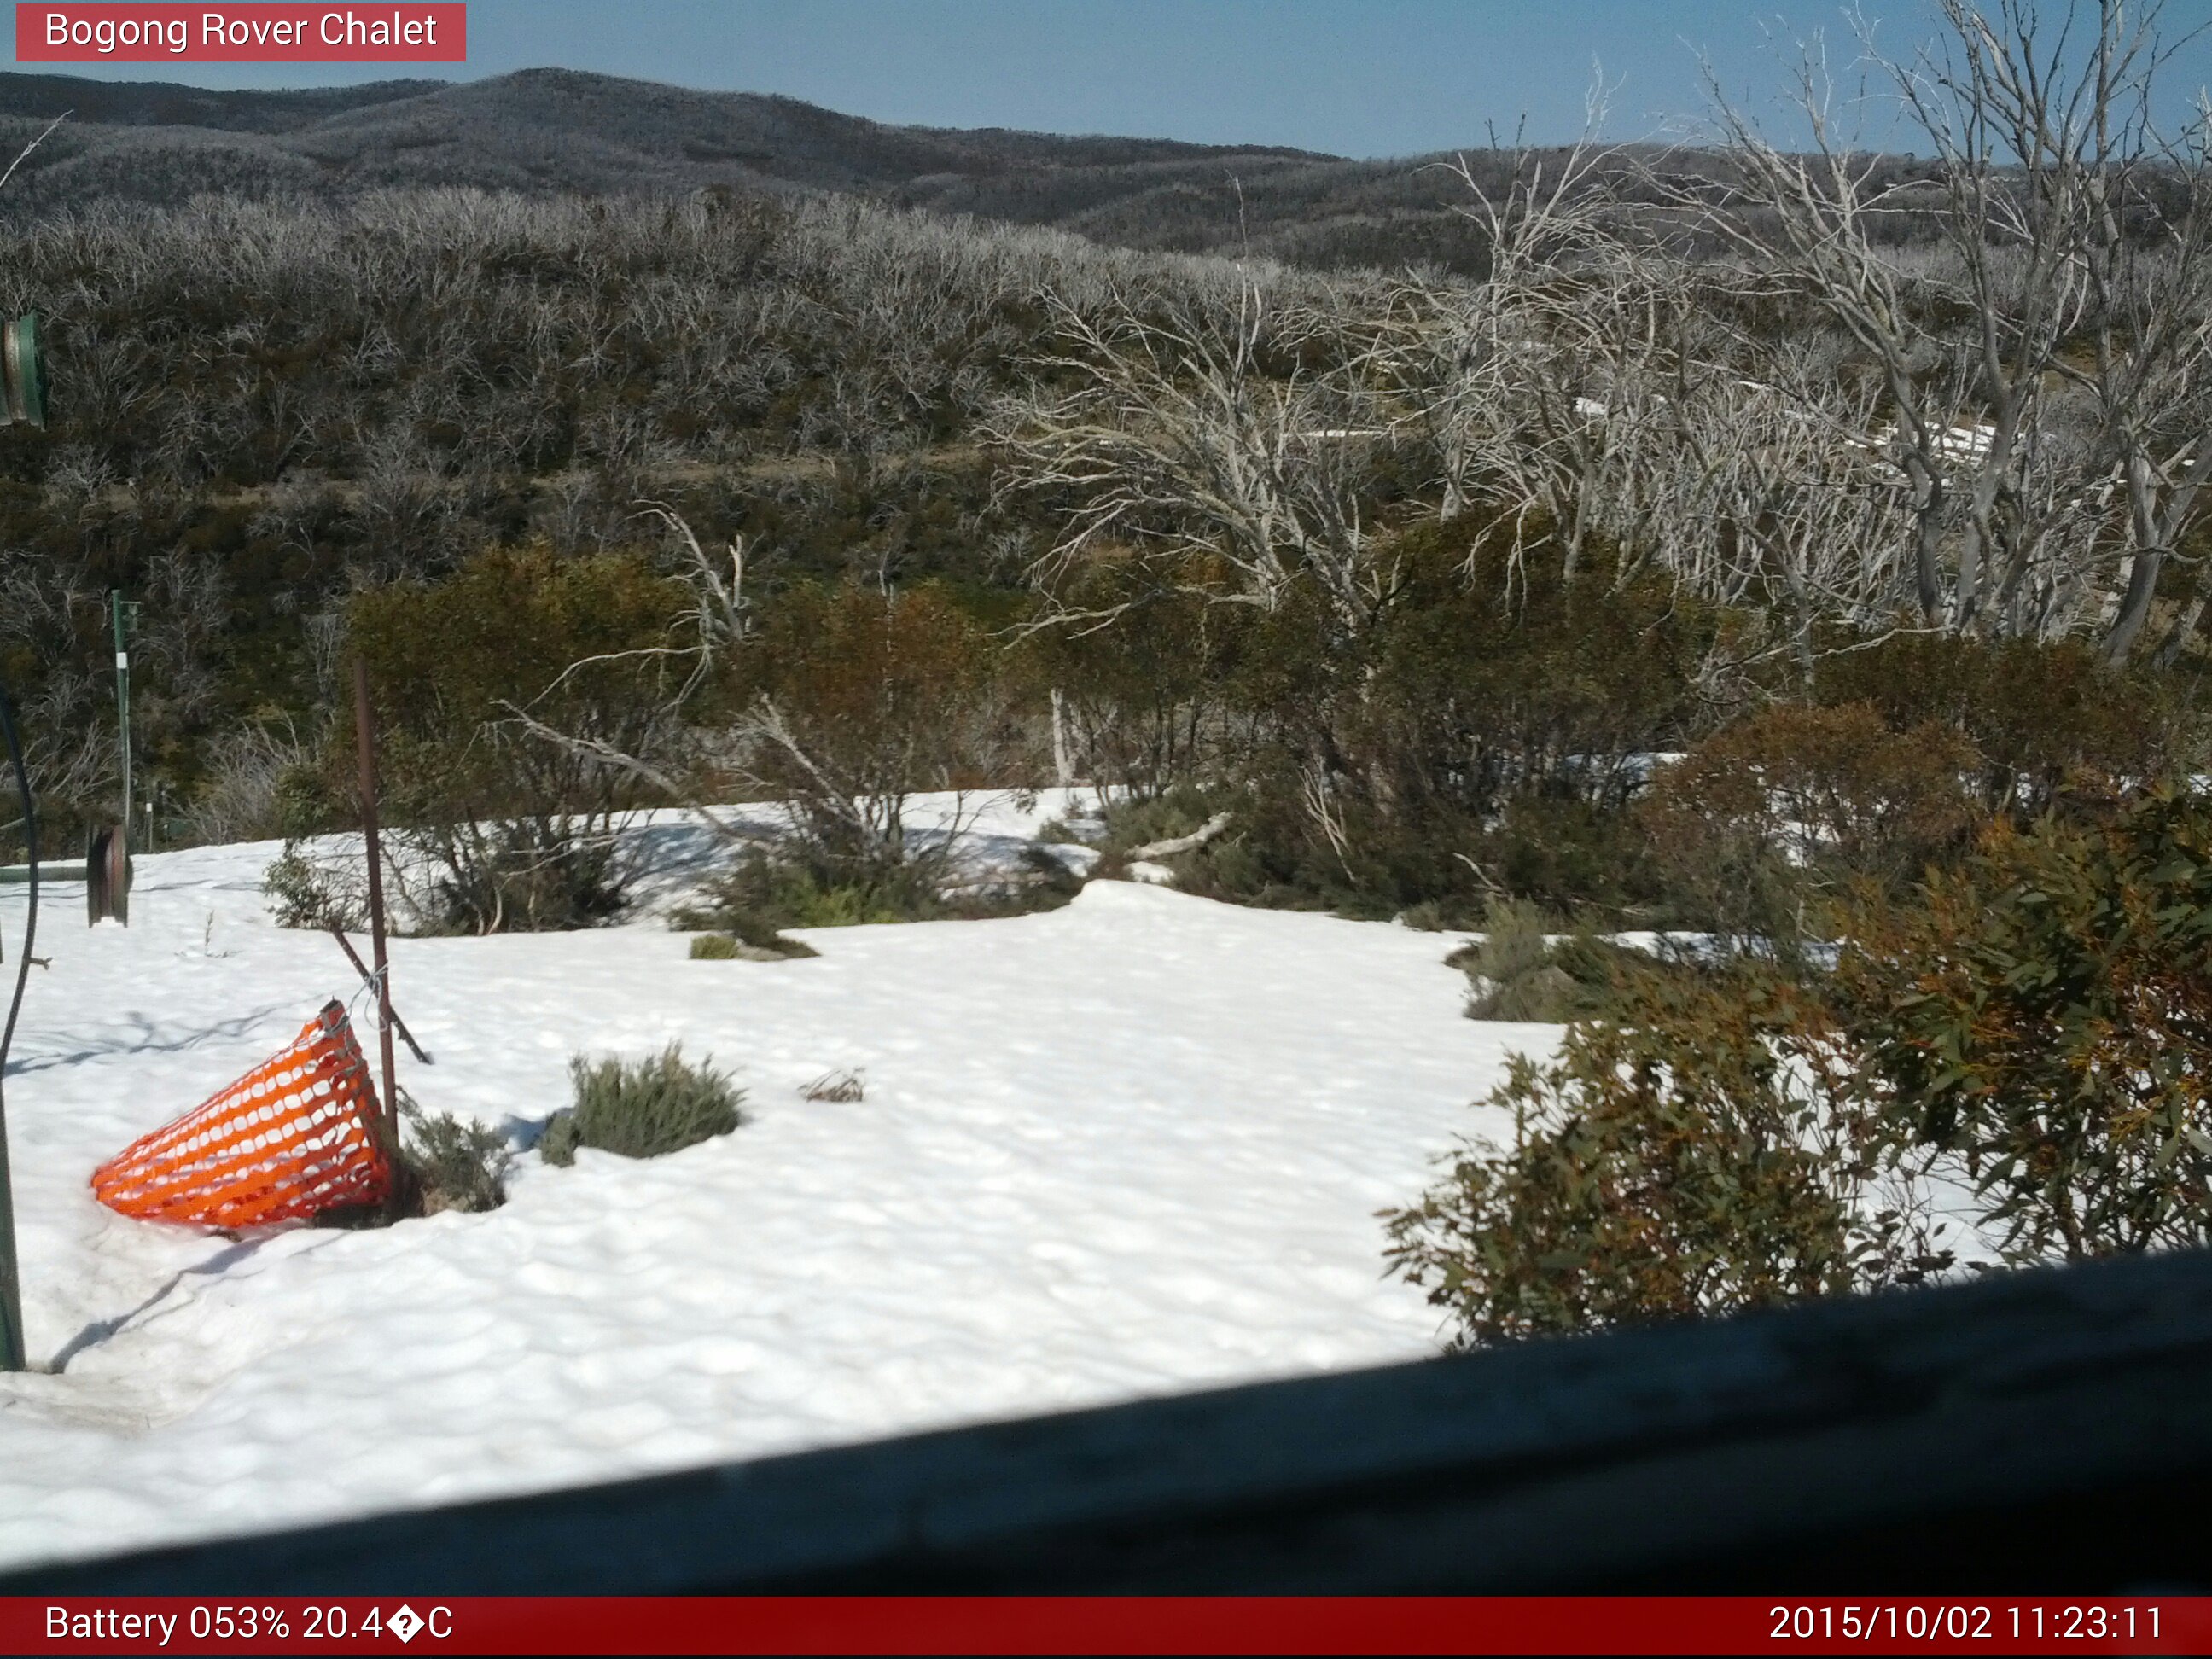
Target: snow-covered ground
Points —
{"points": [[1129, 1148]]}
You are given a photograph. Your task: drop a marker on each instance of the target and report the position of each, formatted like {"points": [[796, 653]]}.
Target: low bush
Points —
{"points": [[496, 827], [2044, 1013], [303, 891], [2033, 712], [768, 890], [642, 1108], [1576, 856], [1698, 1151], [1520, 971], [1778, 812], [859, 698], [450, 1164], [444, 1163], [729, 947], [2036, 1015]]}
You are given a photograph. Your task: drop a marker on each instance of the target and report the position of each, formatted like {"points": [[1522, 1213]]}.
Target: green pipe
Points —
{"points": [[124, 615], [18, 875]]}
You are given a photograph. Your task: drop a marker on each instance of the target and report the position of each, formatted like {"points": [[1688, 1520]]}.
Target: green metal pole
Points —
{"points": [[18, 875], [116, 610], [11, 1294]]}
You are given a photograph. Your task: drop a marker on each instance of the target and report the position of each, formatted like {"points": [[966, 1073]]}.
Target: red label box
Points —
{"points": [[363, 33]]}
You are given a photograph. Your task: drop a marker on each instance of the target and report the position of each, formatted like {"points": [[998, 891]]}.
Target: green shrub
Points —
{"points": [[714, 947], [1697, 1152], [303, 893], [1465, 737], [1141, 702], [1513, 974], [450, 1164], [532, 875], [444, 1163], [2033, 712], [1573, 856], [2044, 1011], [1520, 971], [859, 698], [1779, 811], [765, 892], [520, 833], [642, 1108], [2040, 1012]]}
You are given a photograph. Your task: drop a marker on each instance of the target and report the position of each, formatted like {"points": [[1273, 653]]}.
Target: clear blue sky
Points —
{"points": [[1357, 77]]}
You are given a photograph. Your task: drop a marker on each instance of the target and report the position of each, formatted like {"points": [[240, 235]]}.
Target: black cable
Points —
{"points": [[12, 1354]]}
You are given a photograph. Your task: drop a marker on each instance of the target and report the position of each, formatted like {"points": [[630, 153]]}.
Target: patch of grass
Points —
{"points": [[642, 1108], [842, 1087], [729, 947]]}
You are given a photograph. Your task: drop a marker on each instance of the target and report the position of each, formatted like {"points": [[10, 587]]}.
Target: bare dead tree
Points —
{"points": [[1529, 387], [2059, 342], [1208, 444]]}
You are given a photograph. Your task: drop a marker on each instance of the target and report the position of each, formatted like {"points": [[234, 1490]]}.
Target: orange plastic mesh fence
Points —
{"points": [[294, 1136]]}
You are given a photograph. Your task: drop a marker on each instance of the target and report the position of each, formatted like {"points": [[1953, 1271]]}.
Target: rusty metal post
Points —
{"points": [[365, 731]]}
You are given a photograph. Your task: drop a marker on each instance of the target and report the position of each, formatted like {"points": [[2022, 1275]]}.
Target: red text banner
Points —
{"points": [[1089, 1625], [255, 34]]}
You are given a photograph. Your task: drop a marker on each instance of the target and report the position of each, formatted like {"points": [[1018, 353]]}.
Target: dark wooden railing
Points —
{"points": [[2047, 1431]]}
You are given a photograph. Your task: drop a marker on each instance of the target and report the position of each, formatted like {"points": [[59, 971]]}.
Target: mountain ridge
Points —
{"points": [[541, 130]]}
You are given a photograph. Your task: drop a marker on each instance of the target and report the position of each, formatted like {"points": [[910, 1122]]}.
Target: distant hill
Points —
{"points": [[163, 103], [561, 130]]}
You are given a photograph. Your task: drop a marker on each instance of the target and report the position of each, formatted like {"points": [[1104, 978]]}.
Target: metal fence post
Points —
{"points": [[365, 734]]}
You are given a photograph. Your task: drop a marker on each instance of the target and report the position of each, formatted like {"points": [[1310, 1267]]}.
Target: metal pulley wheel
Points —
{"points": [[107, 875]]}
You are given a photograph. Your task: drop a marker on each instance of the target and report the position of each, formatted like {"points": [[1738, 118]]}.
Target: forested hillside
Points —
{"points": [[554, 130]]}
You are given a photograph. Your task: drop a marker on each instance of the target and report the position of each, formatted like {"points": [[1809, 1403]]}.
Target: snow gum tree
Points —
{"points": [[2045, 369]]}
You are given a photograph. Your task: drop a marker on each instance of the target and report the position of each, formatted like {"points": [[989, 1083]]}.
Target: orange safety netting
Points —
{"points": [[294, 1136]]}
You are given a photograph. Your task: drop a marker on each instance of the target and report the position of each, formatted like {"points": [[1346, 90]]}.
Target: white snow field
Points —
{"points": [[1131, 1147]]}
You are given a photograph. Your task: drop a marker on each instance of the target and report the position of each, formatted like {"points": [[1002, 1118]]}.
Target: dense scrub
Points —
{"points": [[260, 406], [2029, 1024]]}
